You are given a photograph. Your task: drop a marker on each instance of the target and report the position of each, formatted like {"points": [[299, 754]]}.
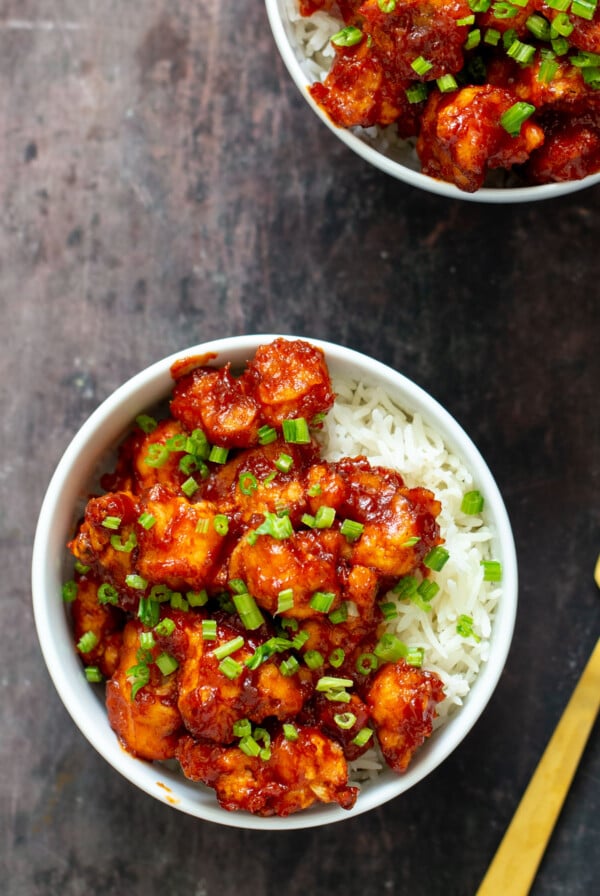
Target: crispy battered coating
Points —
{"points": [[149, 726], [204, 640], [402, 701], [297, 774]]}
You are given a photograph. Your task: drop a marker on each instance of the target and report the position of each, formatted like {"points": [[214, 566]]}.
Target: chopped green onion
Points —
{"points": [[249, 746], [473, 39], [230, 668], [160, 593], [300, 639], [146, 520], [337, 657], [228, 647], [296, 432], [289, 667], [242, 728], [389, 648], [472, 502], [344, 720], [87, 642], [139, 676], [513, 118], [147, 641], [197, 445], [428, 589], [520, 52], [504, 10], [146, 423], [363, 737], [148, 612], [324, 517], [314, 490], [538, 26], [347, 37], [330, 683], [221, 524], [165, 627], [292, 624], [406, 586], [166, 663], [197, 598], [81, 568], [111, 522], [285, 600], [585, 9], [466, 20], [107, 594], [266, 435], [415, 656], [585, 59], [388, 609], [290, 732], [437, 558], [464, 627], [137, 582], [313, 659], [177, 442], [386, 5], [69, 591], [203, 525], [284, 463], [338, 695], [248, 611], [321, 601], [492, 570], [351, 530], [421, 65], [339, 615], [93, 674], [157, 455], [308, 520], [209, 629], [411, 542], [561, 25], [189, 487], [416, 93], [447, 83], [218, 455], [125, 547], [560, 45], [247, 482], [366, 662], [480, 5], [178, 602], [491, 37], [560, 5], [279, 527]]}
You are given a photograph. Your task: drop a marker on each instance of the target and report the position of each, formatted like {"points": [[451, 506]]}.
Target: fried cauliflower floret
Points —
{"points": [[571, 151], [296, 775], [402, 702], [149, 725], [210, 702], [103, 620], [462, 138]]}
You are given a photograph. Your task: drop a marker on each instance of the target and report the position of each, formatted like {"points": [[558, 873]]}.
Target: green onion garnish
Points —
{"points": [[218, 455], [520, 52], [421, 66], [363, 737], [209, 629], [406, 586], [491, 37], [324, 517], [289, 667], [585, 9], [230, 668], [347, 37], [314, 490], [147, 641], [415, 656], [137, 582], [107, 594], [390, 649], [386, 5], [197, 598], [87, 642], [279, 527], [157, 455], [300, 639], [228, 647], [296, 431], [189, 487], [81, 568], [69, 591], [165, 627], [447, 83], [411, 542], [178, 602], [388, 609], [125, 547], [339, 615], [139, 676], [285, 600], [337, 657], [249, 746], [492, 570], [202, 526], [466, 20], [111, 522], [538, 26], [351, 530], [166, 663], [146, 520], [472, 502], [504, 10], [473, 39], [428, 589], [321, 601], [366, 662], [345, 720], [93, 674], [146, 423], [266, 435], [148, 612], [313, 659], [330, 683], [248, 611], [242, 728], [284, 463], [247, 483], [221, 524], [464, 627], [416, 93], [437, 558], [290, 732], [513, 118]]}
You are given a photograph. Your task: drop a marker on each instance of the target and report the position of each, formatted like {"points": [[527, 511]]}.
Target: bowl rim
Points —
{"points": [[502, 195], [113, 416]]}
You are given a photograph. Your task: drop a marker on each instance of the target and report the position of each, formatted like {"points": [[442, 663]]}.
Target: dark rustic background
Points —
{"points": [[162, 182]]}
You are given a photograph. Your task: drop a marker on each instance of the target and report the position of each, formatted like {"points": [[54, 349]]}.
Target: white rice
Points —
{"points": [[364, 420]]}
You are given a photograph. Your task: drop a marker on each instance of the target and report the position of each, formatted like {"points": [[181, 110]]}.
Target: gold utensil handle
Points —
{"points": [[515, 864]]}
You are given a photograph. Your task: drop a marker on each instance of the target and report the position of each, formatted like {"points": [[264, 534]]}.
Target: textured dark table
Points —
{"points": [[162, 183]]}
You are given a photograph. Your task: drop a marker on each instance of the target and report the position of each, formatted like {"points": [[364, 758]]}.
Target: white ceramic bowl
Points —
{"points": [[404, 166], [52, 566]]}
